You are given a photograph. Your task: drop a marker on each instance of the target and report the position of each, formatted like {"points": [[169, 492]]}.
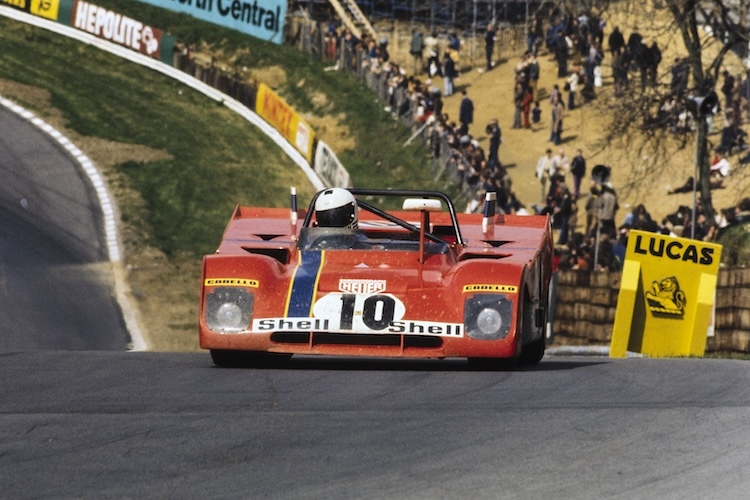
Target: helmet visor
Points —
{"points": [[337, 217]]}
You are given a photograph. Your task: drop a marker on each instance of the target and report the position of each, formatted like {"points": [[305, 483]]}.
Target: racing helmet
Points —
{"points": [[336, 207]]}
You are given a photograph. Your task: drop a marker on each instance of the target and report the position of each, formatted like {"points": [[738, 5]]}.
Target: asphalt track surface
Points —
{"points": [[56, 284], [104, 423], [159, 425]]}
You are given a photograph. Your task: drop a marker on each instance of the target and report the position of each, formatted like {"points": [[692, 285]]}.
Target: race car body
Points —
{"points": [[421, 282]]}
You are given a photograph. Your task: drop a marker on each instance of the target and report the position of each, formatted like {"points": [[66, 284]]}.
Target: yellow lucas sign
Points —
{"points": [[666, 296]]}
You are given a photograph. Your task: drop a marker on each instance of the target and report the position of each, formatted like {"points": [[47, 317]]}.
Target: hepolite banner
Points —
{"points": [[121, 30], [262, 19], [666, 296]]}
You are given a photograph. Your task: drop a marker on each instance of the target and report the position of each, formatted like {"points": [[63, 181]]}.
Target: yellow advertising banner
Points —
{"points": [[45, 8], [285, 119], [666, 296]]}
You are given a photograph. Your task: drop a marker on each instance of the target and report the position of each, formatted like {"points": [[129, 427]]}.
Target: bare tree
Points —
{"points": [[658, 113]]}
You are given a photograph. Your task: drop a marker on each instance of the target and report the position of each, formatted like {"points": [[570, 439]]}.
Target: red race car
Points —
{"points": [[347, 278]]}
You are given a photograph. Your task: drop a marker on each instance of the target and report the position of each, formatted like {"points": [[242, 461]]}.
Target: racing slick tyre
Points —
{"points": [[533, 353], [247, 359]]}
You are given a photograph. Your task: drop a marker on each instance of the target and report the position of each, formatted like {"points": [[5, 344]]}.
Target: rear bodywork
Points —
{"points": [[439, 285]]}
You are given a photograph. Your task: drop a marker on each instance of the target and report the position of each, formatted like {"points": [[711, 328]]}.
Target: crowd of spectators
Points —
{"points": [[583, 219]]}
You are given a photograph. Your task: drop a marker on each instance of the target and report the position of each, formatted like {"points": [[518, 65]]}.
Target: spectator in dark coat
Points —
{"points": [[496, 138], [465, 113], [578, 169], [636, 46], [449, 73], [489, 44], [616, 42], [561, 55]]}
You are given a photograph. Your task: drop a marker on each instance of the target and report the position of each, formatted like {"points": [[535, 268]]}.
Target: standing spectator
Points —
{"points": [[437, 102], [616, 42], [561, 55], [556, 122], [620, 71], [592, 209], [536, 113], [489, 44], [415, 49], [383, 50], [646, 63], [453, 42], [536, 32], [578, 169], [532, 70], [572, 85], [654, 61], [561, 205], [465, 113], [517, 104], [562, 163], [727, 88], [608, 208], [496, 138], [449, 73], [545, 169], [528, 98], [555, 94], [433, 55], [349, 43], [635, 44], [331, 39]]}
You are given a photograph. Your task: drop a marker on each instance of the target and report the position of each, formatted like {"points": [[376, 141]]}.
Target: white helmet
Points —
{"points": [[336, 207]]}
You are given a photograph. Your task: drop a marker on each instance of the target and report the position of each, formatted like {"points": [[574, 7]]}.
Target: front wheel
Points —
{"points": [[532, 354], [247, 359]]}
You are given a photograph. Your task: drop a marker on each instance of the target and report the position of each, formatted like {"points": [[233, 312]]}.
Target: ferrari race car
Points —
{"points": [[347, 278]]}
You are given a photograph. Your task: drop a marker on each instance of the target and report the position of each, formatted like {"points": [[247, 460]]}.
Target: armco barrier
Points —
{"points": [[586, 301]]}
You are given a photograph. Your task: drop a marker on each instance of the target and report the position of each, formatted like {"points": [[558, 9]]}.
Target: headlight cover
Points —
{"points": [[488, 316], [229, 309]]}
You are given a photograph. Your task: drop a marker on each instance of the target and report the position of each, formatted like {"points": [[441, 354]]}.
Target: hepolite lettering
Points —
{"points": [[247, 12], [674, 250], [116, 28]]}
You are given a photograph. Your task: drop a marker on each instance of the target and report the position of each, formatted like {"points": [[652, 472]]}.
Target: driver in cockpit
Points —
{"points": [[336, 207]]}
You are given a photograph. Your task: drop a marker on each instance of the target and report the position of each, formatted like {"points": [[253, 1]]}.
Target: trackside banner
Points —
{"points": [[285, 119], [122, 30], [262, 19], [666, 296], [41, 8], [103, 23], [329, 168]]}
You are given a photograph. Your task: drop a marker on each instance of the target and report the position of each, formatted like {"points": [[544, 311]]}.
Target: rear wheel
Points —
{"points": [[247, 359]]}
